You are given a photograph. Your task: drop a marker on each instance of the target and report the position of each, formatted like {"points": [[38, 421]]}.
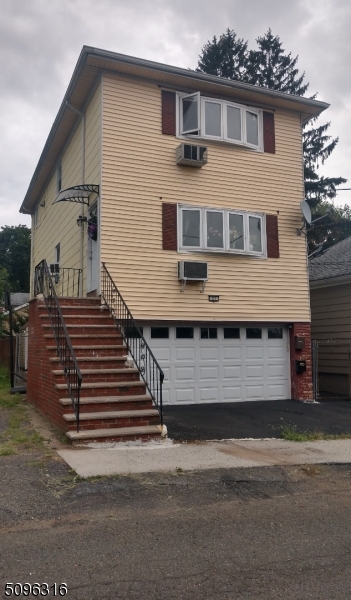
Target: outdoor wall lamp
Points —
{"points": [[81, 220]]}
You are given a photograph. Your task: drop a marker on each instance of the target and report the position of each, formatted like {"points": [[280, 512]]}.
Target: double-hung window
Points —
{"points": [[221, 230], [220, 120]]}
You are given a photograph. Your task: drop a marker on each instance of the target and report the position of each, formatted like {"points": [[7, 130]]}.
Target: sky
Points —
{"points": [[40, 42]]}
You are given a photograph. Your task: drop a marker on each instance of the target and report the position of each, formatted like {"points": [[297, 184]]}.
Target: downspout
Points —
{"points": [[83, 181]]}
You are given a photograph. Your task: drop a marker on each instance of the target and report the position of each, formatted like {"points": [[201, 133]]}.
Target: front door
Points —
{"points": [[93, 248]]}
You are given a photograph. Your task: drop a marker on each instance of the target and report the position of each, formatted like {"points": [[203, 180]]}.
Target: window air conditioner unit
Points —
{"points": [[191, 156], [189, 270]]}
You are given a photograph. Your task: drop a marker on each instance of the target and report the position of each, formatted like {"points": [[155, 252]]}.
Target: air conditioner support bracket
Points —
{"points": [[202, 287]]}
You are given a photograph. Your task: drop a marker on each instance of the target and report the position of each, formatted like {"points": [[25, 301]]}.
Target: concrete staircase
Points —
{"points": [[114, 403]]}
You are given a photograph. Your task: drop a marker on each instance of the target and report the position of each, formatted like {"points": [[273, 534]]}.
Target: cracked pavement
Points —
{"points": [[243, 534]]}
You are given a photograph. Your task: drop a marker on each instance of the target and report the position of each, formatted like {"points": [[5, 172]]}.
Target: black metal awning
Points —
{"points": [[77, 193]]}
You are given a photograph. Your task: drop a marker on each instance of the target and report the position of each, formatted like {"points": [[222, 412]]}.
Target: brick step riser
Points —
{"points": [[109, 406], [113, 423], [79, 341], [79, 301], [90, 312], [86, 320], [86, 330], [115, 391], [103, 364], [103, 353], [104, 377], [124, 438]]}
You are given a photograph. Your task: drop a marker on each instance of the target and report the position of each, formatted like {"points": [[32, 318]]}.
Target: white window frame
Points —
{"points": [[180, 229], [224, 121], [226, 249], [211, 248], [190, 131]]}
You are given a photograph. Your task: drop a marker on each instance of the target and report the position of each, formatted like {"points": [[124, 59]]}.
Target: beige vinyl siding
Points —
{"points": [[58, 222], [139, 173], [331, 312]]}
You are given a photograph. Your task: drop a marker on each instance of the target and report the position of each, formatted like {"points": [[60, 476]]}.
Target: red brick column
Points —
{"points": [[301, 383], [41, 391]]}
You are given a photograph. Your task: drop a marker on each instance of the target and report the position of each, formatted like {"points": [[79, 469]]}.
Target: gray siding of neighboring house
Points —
{"points": [[331, 320]]}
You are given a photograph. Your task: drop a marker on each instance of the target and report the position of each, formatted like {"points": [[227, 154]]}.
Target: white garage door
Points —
{"points": [[221, 364]]}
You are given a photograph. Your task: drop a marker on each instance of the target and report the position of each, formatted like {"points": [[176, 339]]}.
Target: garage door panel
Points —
{"points": [[234, 372], [166, 372], [254, 371], [185, 373], [209, 394], [184, 395], [232, 393], [184, 353], [275, 353], [208, 354], [276, 391], [209, 373], [166, 395], [232, 353], [278, 371], [161, 353], [254, 392], [254, 353], [217, 370]]}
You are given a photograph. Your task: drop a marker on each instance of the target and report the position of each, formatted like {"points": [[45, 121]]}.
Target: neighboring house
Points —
{"points": [[330, 289], [19, 299], [184, 175]]}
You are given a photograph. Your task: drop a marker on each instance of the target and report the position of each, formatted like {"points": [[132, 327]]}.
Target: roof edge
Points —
{"points": [[147, 64]]}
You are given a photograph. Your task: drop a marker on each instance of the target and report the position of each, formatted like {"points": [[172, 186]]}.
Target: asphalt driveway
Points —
{"points": [[255, 419]]}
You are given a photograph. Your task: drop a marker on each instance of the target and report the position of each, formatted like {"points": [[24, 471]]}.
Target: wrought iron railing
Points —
{"points": [[44, 284], [136, 344], [67, 281]]}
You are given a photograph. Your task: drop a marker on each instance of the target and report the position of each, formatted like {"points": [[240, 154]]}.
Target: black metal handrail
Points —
{"points": [[66, 280], [43, 284], [136, 344]]}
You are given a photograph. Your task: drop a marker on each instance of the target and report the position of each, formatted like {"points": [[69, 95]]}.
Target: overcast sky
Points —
{"points": [[40, 41]]}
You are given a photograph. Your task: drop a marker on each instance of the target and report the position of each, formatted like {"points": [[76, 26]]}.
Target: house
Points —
{"points": [[182, 192], [330, 283]]}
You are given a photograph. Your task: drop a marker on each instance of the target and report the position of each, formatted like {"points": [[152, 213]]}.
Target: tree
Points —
{"points": [[336, 226], [15, 256], [226, 57], [269, 66]]}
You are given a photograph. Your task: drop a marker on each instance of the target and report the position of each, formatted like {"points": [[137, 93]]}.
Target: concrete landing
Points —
{"points": [[145, 457]]}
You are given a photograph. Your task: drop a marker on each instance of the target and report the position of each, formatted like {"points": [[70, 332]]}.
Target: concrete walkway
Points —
{"points": [[134, 457]]}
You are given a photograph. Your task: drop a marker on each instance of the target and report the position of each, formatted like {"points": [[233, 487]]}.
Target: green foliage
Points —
{"points": [[226, 57], [334, 228], [291, 434], [15, 256], [271, 67]]}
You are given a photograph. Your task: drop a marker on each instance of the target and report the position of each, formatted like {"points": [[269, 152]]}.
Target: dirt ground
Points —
{"points": [[243, 534]]}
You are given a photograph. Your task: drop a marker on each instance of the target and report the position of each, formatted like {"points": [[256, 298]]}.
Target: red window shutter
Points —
{"points": [[268, 132], [272, 236], [168, 113], [169, 226]]}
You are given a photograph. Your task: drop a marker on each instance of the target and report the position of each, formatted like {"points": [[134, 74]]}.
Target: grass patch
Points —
{"points": [[291, 434], [18, 435]]}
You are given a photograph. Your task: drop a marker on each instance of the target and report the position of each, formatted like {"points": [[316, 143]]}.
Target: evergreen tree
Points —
{"points": [[269, 66], [226, 57]]}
